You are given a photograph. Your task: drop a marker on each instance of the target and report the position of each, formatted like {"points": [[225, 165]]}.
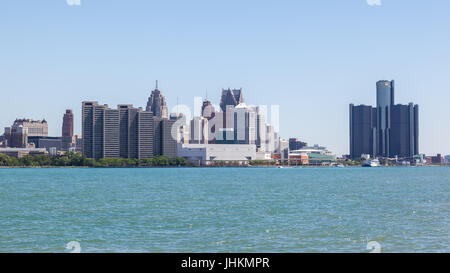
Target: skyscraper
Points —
{"points": [[67, 128], [68, 140], [363, 121], [389, 130], [157, 104], [385, 99], [100, 127], [231, 98], [125, 132], [199, 131], [404, 138]]}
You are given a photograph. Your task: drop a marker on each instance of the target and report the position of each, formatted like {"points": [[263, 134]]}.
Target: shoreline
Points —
{"points": [[171, 167]]}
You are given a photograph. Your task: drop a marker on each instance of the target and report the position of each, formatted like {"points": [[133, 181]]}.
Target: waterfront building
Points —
{"points": [[389, 130], [363, 120], [316, 155], [165, 141], [125, 132], [404, 134], [21, 152], [437, 160], [385, 99], [447, 159], [157, 104], [206, 154]]}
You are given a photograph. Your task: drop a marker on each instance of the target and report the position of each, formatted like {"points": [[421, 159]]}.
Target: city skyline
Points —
{"points": [[57, 55]]}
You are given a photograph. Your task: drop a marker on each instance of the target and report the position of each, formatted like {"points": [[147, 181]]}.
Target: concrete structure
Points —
{"points": [[21, 152], [157, 104], [205, 154], [389, 130]]}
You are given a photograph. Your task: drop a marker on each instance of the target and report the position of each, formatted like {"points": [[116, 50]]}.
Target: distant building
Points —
{"points": [[46, 142], [21, 152], [437, 160], [284, 149], [447, 159], [206, 154], [157, 104], [363, 130], [126, 132], [389, 130], [165, 144], [231, 98], [68, 140], [17, 135], [199, 131], [35, 127], [404, 131], [295, 144], [316, 155]]}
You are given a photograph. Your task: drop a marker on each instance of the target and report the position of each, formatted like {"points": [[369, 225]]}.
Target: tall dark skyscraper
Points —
{"points": [[404, 138], [231, 98], [385, 100], [363, 121], [389, 130]]}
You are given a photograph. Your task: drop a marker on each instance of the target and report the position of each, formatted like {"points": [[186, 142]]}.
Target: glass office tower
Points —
{"points": [[385, 100]]}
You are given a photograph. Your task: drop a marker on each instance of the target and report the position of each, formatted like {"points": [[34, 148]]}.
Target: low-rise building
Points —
{"points": [[447, 159], [21, 152], [206, 154], [316, 155], [436, 160]]}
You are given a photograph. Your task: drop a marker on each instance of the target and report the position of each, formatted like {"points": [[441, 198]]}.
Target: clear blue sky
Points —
{"points": [[312, 58]]}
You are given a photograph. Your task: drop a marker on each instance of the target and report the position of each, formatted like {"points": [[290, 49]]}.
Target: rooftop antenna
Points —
{"points": [[206, 93], [177, 107], [156, 84]]}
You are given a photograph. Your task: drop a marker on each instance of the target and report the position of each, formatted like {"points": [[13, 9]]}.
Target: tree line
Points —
{"points": [[79, 160]]}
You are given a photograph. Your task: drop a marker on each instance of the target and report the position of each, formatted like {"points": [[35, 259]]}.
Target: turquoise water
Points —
{"points": [[225, 209]]}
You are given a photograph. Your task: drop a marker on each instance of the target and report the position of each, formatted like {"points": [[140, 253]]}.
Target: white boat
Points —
{"points": [[371, 163]]}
